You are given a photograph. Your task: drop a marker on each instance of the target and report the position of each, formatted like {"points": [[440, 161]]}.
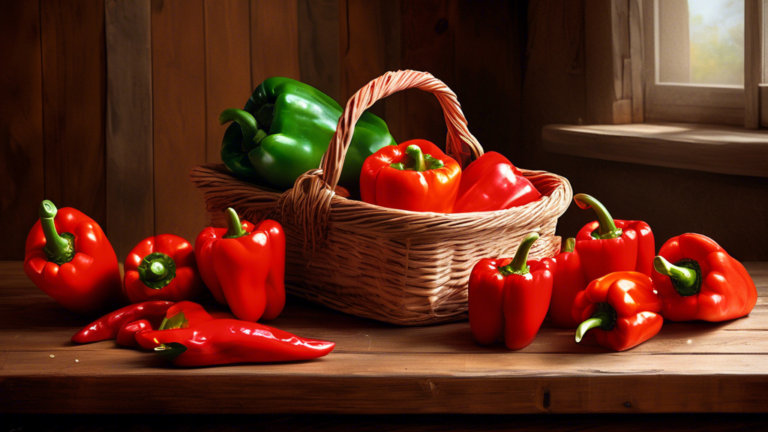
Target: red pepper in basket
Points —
{"points": [[568, 281], [704, 283], [609, 245], [621, 309], [162, 267], [244, 267], [510, 297], [415, 175], [493, 183], [108, 326], [69, 258]]}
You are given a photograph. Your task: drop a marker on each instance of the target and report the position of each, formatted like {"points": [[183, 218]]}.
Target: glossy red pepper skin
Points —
{"points": [[108, 326], [226, 341], [493, 183], [127, 335], [90, 282], [725, 290], [511, 306], [247, 273], [633, 304], [431, 190], [568, 281], [181, 282]]}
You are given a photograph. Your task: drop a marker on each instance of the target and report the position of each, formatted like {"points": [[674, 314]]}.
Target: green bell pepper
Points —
{"points": [[286, 128]]}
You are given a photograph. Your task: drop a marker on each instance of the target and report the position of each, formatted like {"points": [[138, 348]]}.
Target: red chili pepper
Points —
{"points": [[621, 309], [493, 183], [108, 326], [127, 335], [415, 175], [244, 267], [609, 245], [69, 258], [568, 281], [510, 297], [162, 267], [704, 283]]}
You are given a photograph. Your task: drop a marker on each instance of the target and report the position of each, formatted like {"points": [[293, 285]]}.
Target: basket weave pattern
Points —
{"points": [[397, 266]]}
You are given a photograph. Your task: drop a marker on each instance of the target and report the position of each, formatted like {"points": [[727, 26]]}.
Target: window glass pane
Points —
{"points": [[701, 41]]}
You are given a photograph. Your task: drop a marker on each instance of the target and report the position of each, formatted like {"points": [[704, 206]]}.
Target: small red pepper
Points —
{"points": [[493, 183], [568, 281], [127, 335], [162, 267], [108, 326], [244, 267], [69, 258], [704, 283], [415, 175], [609, 245], [622, 309], [510, 297]]}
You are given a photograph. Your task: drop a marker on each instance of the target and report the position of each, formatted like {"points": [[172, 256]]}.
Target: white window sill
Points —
{"points": [[720, 149]]}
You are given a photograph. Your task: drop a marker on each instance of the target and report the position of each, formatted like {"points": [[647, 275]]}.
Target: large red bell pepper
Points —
{"points": [[69, 258], [568, 281], [162, 267], [244, 267], [704, 283], [621, 309], [510, 297], [415, 175], [609, 245], [493, 183]]}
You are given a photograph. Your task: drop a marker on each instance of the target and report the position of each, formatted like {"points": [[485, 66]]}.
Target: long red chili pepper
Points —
{"points": [[108, 326]]}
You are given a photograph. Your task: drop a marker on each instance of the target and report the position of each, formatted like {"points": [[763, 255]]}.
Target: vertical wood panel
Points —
{"points": [[636, 42], [319, 45], [21, 125], [752, 62], [178, 77], [74, 105], [274, 40], [227, 65], [130, 188]]}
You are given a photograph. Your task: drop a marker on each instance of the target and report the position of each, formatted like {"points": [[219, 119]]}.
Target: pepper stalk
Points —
{"points": [[519, 264], [607, 229], [59, 248]]}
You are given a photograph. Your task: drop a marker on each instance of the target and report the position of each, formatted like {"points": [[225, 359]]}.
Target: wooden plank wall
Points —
{"points": [[107, 104]]}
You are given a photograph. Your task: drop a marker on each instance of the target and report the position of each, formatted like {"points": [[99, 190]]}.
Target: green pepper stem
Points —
{"points": [[415, 152], [252, 135], [519, 264], [685, 275], [586, 326], [158, 270], [607, 229], [171, 350], [570, 245], [234, 226], [57, 248]]}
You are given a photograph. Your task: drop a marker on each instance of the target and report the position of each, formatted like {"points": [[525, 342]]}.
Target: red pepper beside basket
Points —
{"points": [[568, 281]]}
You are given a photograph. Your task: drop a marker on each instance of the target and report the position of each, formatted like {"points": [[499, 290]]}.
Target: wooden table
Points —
{"points": [[380, 369]]}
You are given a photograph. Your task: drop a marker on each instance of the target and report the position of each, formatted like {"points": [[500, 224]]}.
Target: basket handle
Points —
{"points": [[381, 87]]}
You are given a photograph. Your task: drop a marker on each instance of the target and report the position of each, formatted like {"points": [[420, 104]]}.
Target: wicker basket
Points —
{"points": [[397, 266]]}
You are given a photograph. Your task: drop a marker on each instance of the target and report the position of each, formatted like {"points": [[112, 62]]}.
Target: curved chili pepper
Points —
{"points": [[621, 309], [704, 283], [127, 335], [108, 326], [609, 245], [162, 267], [510, 297], [244, 267], [415, 175], [69, 258], [568, 280]]}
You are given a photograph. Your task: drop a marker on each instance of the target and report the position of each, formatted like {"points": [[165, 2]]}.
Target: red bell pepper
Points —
{"points": [[621, 309], [244, 267], [568, 280], [510, 297], [108, 326], [191, 337], [609, 245], [69, 258], [162, 267], [493, 183], [415, 175], [704, 283]]}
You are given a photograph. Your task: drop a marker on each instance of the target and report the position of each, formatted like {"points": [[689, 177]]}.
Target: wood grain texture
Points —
{"points": [[752, 62], [274, 40], [606, 35], [130, 187], [636, 60], [379, 369], [318, 22], [21, 125], [74, 105], [227, 65], [178, 78]]}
